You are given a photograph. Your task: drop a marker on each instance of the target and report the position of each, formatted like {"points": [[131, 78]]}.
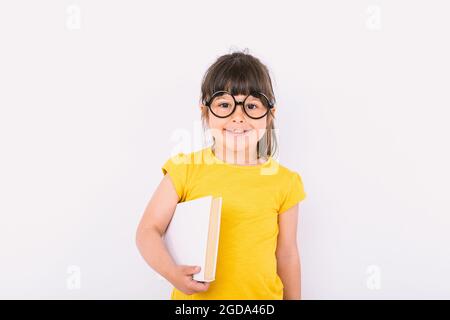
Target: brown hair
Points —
{"points": [[241, 73]]}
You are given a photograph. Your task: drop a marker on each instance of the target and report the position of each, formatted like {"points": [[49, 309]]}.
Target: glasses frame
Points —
{"points": [[236, 103]]}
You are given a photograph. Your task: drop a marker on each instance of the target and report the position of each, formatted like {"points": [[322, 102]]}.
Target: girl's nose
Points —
{"points": [[238, 115]]}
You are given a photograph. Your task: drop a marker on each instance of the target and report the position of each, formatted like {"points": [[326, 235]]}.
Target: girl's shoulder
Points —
{"points": [[187, 158], [284, 172], [273, 166], [291, 186]]}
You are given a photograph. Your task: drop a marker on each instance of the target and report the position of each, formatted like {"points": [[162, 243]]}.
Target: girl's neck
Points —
{"points": [[244, 157]]}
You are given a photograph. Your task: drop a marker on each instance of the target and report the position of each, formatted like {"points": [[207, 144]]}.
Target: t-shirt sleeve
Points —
{"points": [[177, 167], [294, 193]]}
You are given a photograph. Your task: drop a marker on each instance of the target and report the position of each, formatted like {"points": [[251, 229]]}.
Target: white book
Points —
{"points": [[192, 236]]}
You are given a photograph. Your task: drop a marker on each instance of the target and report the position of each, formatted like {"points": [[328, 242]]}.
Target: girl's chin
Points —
{"points": [[237, 144]]}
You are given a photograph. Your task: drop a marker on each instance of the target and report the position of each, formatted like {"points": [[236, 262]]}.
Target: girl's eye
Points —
{"points": [[252, 106], [224, 105]]}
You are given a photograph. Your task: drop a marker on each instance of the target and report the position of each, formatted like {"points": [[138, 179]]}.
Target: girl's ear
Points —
{"points": [[272, 111]]}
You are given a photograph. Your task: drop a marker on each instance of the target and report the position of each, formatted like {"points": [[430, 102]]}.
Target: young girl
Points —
{"points": [[257, 255]]}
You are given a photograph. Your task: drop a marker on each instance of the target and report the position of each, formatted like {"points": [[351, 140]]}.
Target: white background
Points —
{"points": [[96, 95]]}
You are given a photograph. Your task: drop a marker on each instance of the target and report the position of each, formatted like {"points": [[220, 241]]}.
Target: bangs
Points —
{"points": [[239, 77]]}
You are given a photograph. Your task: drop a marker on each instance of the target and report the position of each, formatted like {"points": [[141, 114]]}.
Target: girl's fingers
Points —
{"points": [[199, 286], [189, 270]]}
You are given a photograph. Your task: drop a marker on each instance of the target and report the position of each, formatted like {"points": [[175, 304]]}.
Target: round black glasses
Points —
{"points": [[222, 104]]}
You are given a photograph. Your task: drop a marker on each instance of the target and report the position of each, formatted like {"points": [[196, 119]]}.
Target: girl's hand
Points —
{"points": [[182, 280]]}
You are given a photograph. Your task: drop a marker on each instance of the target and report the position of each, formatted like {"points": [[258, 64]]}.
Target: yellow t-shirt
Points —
{"points": [[253, 197]]}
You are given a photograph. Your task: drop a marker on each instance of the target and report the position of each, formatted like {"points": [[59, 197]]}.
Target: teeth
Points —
{"points": [[237, 131]]}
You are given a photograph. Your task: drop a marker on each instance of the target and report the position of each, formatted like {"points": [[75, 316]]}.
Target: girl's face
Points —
{"points": [[238, 132]]}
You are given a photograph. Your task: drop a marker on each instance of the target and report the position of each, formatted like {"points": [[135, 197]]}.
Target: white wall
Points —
{"points": [[95, 94]]}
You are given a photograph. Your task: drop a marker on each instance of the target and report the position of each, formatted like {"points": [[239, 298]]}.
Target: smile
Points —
{"points": [[237, 133]]}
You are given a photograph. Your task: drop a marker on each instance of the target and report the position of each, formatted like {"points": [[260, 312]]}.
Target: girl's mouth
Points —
{"points": [[237, 133]]}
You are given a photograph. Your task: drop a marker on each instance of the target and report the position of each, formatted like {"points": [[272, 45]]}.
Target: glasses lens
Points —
{"points": [[222, 105], [256, 106]]}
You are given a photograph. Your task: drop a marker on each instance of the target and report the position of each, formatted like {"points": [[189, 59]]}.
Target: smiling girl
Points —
{"points": [[257, 256]]}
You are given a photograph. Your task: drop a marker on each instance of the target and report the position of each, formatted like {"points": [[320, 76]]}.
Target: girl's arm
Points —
{"points": [[288, 260], [150, 243]]}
